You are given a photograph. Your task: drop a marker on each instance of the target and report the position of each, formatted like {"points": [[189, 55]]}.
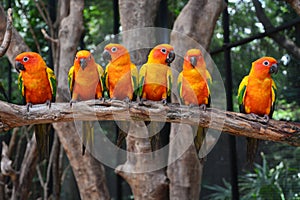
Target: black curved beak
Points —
{"points": [[170, 57], [193, 61], [106, 56], [83, 63], [274, 69], [19, 66]]}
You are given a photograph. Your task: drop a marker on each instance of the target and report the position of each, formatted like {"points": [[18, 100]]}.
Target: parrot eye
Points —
{"points": [[266, 63], [25, 59], [163, 50], [114, 49]]}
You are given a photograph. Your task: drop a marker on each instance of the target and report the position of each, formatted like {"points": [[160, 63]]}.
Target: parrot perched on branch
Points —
{"points": [[121, 80], [155, 82], [257, 95], [193, 86], [85, 83], [37, 84]]}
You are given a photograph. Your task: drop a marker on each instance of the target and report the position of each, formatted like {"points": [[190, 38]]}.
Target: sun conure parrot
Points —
{"points": [[155, 82], [37, 84], [193, 86], [257, 95], [121, 79], [85, 83]]}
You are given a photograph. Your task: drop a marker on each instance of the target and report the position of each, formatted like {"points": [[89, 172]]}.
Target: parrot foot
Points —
{"points": [[142, 101], [28, 105], [102, 100], [48, 103], [203, 107], [127, 100], [253, 116], [164, 101], [266, 118], [72, 101]]}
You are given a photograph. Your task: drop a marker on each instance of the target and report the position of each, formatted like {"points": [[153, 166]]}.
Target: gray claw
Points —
{"points": [[266, 118], [72, 101], [164, 101], [203, 107], [28, 105], [48, 103]]}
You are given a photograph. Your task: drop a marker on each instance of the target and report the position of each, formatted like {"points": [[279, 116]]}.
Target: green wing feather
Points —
{"points": [[52, 81], [169, 82], [274, 96], [134, 79], [242, 91], [179, 87], [105, 82], [100, 75], [142, 74], [71, 79], [208, 80], [21, 85]]}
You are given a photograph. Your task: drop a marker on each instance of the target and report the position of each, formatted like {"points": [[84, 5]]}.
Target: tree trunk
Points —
{"points": [[89, 173], [134, 15], [201, 17]]}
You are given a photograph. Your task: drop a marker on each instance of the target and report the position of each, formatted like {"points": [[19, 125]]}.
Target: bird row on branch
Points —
{"points": [[121, 80]]}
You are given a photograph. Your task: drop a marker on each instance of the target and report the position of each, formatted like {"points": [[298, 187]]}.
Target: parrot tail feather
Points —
{"points": [[42, 136], [87, 136], [252, 147]]}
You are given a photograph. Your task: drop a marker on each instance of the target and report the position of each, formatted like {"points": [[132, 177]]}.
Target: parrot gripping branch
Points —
{"points": [[239, 124]]}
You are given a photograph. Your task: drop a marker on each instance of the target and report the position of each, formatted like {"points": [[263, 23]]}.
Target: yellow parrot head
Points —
{"points": [[194, 59], [29, 62], [162, 54], [116, 53], [83, 59], [264, 67]]}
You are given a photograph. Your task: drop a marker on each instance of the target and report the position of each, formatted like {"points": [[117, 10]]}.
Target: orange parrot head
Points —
{"points": [[194, 59], [83, 59], [162, 54], [116, 53], [30, 62], [264, 67]]}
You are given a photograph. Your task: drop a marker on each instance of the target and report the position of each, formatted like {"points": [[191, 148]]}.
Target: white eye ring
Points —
{"points": [[114, 49], [25, 59], [266, 63], [163, 50]]}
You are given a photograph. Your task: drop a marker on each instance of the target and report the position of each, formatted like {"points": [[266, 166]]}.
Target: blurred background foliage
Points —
{"points": [[278, 172]]}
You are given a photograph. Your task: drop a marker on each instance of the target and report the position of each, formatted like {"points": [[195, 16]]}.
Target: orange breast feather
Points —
{"points": [[194, 88], [258, 97], [37, 87]]}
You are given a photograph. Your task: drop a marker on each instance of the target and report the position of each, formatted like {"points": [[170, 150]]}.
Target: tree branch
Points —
{"points": [[239, 124], [283, 41], [8, 33], [47, 37]]}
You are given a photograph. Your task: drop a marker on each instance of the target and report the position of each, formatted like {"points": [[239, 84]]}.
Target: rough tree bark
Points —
{"points": [[201, 17], [88, 172], [239, 124], [21, 186], [133, 15]]}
